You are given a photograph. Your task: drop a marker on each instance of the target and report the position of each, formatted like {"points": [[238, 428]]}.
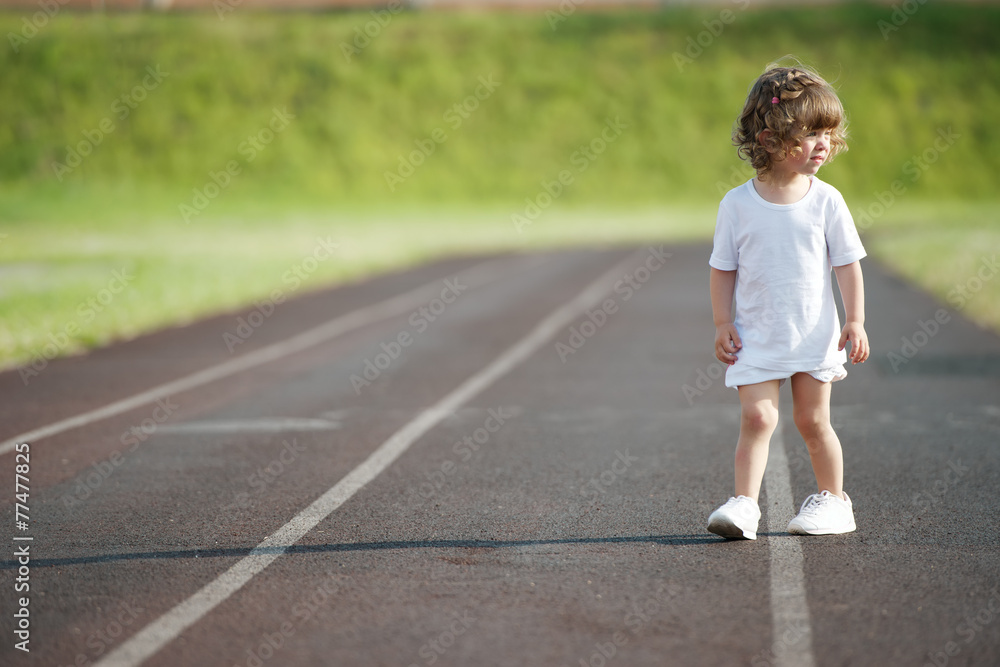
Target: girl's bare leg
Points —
{"points": [[758, 419], [812, 418]]}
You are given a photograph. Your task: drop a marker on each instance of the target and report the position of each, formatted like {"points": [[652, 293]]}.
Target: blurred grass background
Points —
{"points": [[64, 229]]}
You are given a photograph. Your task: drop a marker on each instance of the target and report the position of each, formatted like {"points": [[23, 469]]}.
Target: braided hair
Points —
{"points": [[788, 101]]}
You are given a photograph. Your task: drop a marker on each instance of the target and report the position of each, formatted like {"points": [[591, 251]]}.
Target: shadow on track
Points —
{"points": [[668, 540]]}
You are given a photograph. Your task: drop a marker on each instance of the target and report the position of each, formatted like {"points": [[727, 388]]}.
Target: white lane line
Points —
{"points": [[791, 629], [476, 276], [272, 425], [157, 634]]}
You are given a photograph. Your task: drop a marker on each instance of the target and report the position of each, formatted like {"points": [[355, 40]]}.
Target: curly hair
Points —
{"points": [[805, 102]]}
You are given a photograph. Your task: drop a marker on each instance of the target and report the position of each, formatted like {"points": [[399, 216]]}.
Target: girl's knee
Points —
{"points": [[812, 423], [759, 418]]}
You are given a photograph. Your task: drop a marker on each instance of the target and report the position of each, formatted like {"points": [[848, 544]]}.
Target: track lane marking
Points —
{"points": [[170, 625], [269, 425], [789, 609], [482, 274]]}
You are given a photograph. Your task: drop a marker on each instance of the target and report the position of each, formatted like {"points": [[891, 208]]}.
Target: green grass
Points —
{"points": [[353, 120], [942, 247], [63, 234], [64, 270], [59, 277]]}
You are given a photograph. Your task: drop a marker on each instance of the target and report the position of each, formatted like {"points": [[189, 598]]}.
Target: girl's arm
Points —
{"points": [[852, 289], [727, 341]]}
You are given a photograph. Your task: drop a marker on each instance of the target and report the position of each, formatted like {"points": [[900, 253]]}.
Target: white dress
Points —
{"points": [[783, 256]]}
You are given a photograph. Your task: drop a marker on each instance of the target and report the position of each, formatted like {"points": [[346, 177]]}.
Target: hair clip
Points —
{"points": [[774, 100]]}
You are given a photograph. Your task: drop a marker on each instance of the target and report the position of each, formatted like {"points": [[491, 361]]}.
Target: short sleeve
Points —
{"points": [[842, 240], [725, 255]]}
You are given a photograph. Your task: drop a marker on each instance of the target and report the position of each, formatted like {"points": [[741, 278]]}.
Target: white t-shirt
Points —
{"points": [[783, 255]]}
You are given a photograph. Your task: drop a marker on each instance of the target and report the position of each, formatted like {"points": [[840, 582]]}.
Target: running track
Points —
{"points": [[514, 482]]}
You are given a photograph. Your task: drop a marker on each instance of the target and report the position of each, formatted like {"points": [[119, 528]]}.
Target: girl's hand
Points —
{"points": [[855, 333], [727, 343]]}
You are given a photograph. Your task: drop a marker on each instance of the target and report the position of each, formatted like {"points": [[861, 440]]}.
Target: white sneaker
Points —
{"points": [[736, 520], [824, 514]]}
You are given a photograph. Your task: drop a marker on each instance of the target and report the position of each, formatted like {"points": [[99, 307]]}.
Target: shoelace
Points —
{"points": [[813, 505]]}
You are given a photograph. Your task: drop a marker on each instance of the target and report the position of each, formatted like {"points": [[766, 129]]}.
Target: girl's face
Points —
{"points": [[815, 149]]}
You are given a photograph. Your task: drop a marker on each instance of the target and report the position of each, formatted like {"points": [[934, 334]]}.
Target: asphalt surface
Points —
{"points": [[553, 513]]}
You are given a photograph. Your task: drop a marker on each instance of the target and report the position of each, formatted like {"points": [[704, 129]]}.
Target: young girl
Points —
{"points": [[776, 238]]}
